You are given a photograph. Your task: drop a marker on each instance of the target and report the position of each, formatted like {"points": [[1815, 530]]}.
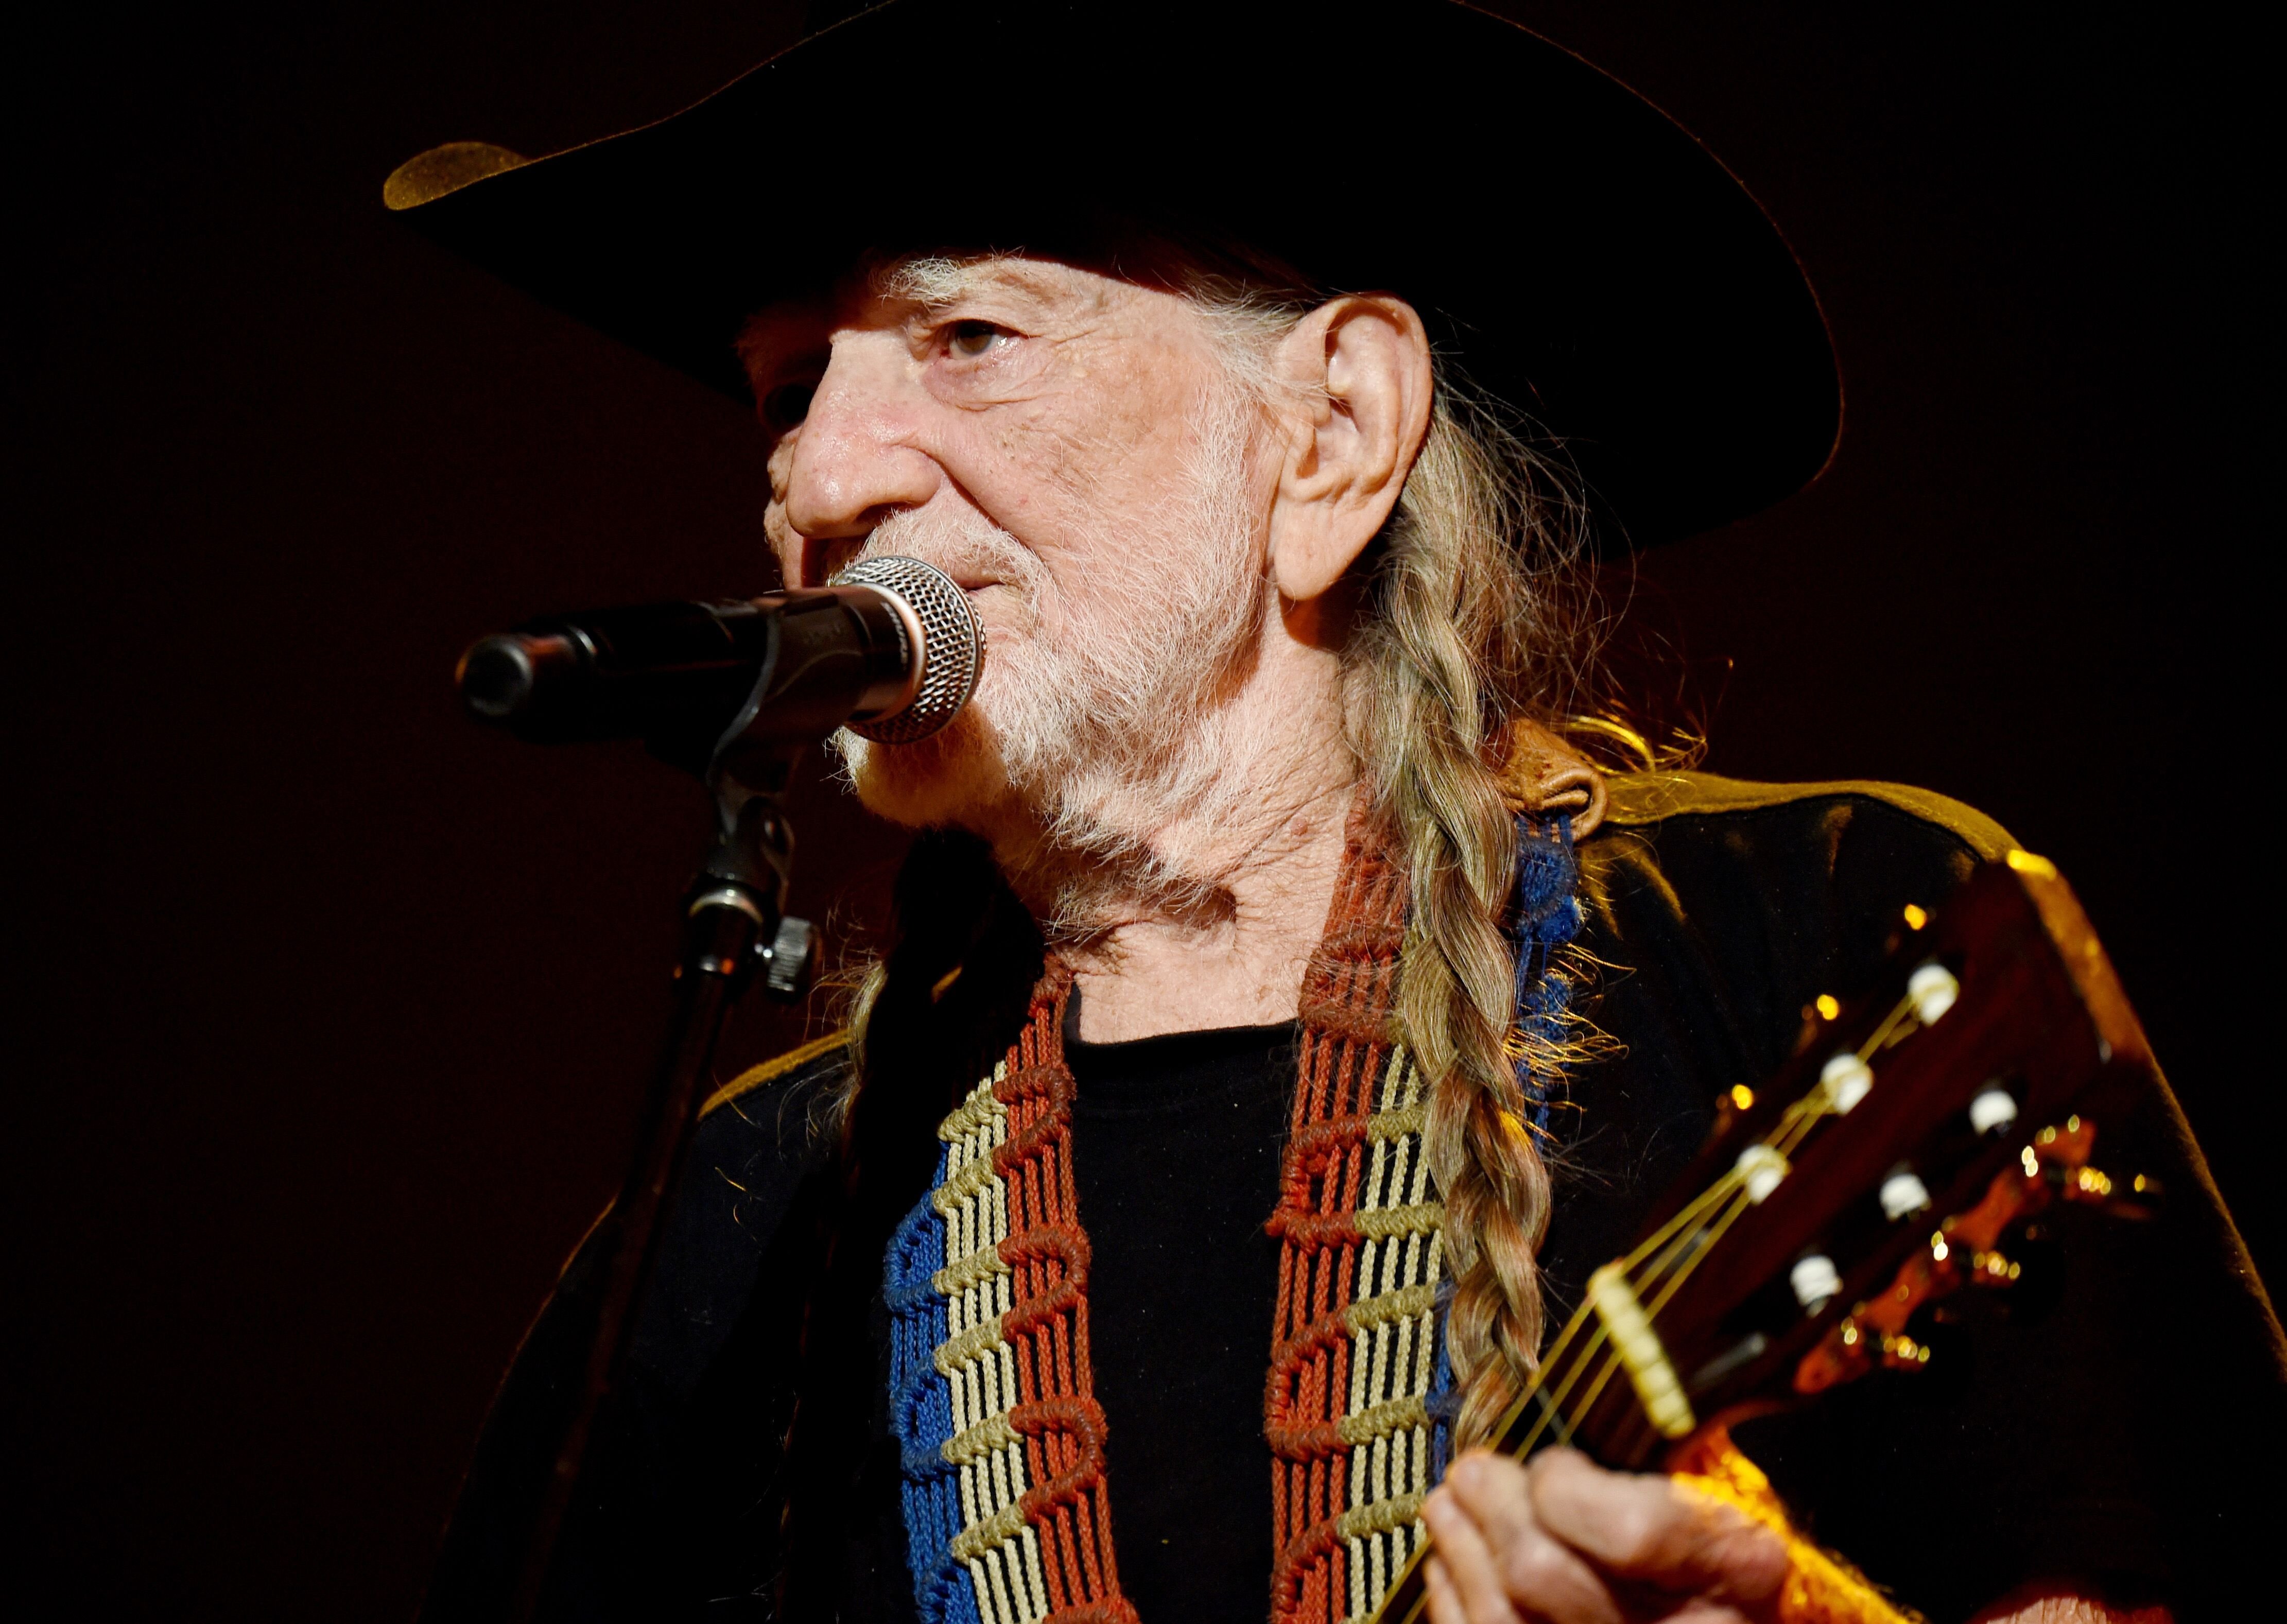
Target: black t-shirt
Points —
{"points": [[2124, 1428], [1175, 1157]]}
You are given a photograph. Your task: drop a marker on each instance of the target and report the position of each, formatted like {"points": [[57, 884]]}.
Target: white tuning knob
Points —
{"points": [[1815, 1279], [1932, 989], [1902, 1193], [1994, 1108], [1760, 1169], [1848, 1080]]}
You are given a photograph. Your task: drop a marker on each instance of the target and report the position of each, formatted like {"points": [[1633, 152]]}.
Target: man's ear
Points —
{"points": [[1359, 366]]}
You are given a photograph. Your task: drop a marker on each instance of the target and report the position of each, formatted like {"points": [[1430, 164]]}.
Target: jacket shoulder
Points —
{"points": [[1641, 799]]}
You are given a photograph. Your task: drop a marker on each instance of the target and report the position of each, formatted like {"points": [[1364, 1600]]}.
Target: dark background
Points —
{"points": [[330, 1011]]}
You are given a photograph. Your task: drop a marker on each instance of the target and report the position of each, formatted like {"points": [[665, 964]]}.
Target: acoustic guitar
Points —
{"points": [[1888, 1166]]}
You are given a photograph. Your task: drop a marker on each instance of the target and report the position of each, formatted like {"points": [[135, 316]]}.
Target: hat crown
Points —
{"points": [[1575, 252]]}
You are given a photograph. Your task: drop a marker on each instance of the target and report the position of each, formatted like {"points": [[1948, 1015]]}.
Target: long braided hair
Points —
{"points": [[1476, 613], [1473, 623]]}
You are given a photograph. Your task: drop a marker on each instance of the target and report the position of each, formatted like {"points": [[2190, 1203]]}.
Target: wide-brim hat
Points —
{"points": [[1574, 250]]}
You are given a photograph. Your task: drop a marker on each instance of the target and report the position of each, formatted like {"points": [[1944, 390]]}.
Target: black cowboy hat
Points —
{"points": [[1574, 250]]}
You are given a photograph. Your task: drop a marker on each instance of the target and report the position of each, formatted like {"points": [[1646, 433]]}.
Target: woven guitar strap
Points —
{"points": [[1003, 1438]]}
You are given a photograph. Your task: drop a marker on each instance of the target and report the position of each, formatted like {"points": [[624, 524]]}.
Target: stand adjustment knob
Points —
{"points": [[788, 961]]}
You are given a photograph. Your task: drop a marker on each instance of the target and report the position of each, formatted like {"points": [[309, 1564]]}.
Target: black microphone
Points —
{"points": [[892, 649]]}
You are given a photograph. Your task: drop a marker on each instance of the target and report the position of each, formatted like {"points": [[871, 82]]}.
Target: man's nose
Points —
{"points": [[857, 458]]}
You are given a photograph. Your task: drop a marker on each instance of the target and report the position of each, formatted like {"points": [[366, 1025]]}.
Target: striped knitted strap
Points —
{"points": [[993, 1400], [1354, 1363], [1359, 1404]]}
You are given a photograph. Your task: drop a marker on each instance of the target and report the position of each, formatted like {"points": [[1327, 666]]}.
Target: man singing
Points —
{"points": [[1283, 1017]]}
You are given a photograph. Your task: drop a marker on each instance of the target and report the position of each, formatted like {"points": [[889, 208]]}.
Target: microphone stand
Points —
{"points": [[861, 648], [734, 923]]}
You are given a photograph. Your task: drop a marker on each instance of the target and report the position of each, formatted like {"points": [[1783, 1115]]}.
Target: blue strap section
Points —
{"points": [[1546, 908], [920, 1415], [1547, 914], [1443, 1401]]}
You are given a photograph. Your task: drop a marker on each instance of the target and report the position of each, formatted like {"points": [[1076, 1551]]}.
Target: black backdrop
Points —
{"points": [[328, 1013]]}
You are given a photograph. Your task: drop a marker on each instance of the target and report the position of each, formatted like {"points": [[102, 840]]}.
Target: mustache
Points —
{"points": [[965, 544]]}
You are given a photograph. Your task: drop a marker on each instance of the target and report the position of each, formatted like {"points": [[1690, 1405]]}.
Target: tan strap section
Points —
{"points": [[979, 1108], [978, 1266], [949, 1197], [1379, 1517], [996, 1530], [1381, 1223], [987, 1436], [1410, 1303], [1396, 1415], [972, 1345], [1401, 1123]]}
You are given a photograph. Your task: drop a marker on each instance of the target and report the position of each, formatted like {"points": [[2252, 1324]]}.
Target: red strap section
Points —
{"points": [[1348, 993]]}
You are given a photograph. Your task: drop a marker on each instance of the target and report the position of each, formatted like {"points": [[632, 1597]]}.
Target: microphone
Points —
{"points": [[892, 649]]}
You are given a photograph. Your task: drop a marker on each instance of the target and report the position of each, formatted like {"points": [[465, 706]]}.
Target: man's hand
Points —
{"points": [[1566, 1542]]}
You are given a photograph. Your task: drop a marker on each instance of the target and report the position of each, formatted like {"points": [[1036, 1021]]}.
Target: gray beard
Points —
{"points": [[1104, 724]]}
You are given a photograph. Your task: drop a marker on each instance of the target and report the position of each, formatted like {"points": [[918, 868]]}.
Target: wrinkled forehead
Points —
{"points": [[940, 278], [1088, 254], [881, 288]]}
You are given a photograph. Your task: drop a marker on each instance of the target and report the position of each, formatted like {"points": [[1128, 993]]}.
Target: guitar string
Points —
{"points": [[1891, 1029]]}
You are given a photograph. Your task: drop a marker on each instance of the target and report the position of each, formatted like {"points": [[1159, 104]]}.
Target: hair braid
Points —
{"points": [[1459, 643]]}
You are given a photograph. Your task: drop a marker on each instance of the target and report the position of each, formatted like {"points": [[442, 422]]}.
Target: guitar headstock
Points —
{"points": [[1881, 1168], [1884, 1167]]}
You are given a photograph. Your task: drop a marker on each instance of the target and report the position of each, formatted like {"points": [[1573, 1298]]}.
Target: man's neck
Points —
{"points": [[1153, 974], [1267, 855]]}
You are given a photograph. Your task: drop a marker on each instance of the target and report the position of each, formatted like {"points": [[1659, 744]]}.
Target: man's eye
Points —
{"points": [[972, 339], [784, 407]]}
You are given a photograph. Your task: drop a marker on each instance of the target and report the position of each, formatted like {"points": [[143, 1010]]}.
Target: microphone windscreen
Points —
{"points": [[953, 645]]}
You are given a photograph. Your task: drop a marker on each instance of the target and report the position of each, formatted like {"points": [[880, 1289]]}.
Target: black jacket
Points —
{"points": [[2120, 1427]]}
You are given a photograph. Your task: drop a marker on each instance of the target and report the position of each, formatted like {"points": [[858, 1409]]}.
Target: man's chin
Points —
{"points": [[952, 777]]}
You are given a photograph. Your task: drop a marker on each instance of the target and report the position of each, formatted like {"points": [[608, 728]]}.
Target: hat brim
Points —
{"points": [[1576, 251]]}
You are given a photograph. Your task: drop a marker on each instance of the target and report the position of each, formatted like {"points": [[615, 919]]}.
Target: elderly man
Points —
{"points": [[1282, 1017]]}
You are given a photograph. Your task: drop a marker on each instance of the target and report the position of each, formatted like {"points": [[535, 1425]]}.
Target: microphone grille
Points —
{"points": [[953, 645]]}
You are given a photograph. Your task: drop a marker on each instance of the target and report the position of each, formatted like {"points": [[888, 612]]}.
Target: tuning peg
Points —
{"points": [[1933, 990], [1815, 1280], [1760, 1170], [1903, 1192], [1993, 1110], [1847, 1080]]}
